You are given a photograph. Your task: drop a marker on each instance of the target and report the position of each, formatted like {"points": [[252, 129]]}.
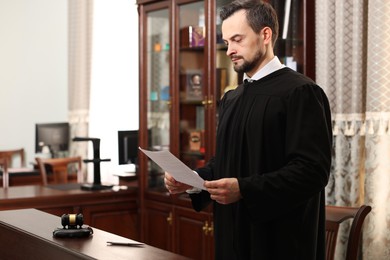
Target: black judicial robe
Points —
{"points": [[274, 135]]}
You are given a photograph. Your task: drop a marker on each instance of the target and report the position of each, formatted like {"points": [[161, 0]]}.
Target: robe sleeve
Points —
{"points": [[202, 200]]}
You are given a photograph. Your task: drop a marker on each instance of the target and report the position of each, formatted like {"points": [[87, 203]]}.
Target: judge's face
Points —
{"points": [[246, 48]]}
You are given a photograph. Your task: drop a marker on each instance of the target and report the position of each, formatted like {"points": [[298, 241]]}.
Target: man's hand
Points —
{"points": [[173, 186], [224, 191]]}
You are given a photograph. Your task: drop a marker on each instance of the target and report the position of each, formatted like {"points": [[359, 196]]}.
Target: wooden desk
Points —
{"points": [[28, 234], [29, 176], [23, 176], [115, 211]]}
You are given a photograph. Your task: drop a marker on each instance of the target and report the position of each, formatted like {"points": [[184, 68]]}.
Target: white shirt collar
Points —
{"points": [[270, 67]]}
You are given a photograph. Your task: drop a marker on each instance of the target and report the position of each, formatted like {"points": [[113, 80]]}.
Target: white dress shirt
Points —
{"points": [[270, 67]]}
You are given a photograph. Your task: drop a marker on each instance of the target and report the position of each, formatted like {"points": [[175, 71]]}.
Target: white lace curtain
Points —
{"points": [[352, 65], [79, 59]]}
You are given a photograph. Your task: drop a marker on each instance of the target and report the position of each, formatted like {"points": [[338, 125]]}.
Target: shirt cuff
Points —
{"points": [[194, 189]]}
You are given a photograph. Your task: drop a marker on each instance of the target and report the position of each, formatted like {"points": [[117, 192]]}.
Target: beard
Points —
{"points": [[248, 65]]}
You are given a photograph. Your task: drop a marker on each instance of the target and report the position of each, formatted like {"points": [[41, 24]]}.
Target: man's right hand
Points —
{"points": [[173, 186]]}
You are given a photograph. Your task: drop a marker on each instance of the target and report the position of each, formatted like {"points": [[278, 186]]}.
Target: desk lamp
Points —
{"points": [[96, 185]]}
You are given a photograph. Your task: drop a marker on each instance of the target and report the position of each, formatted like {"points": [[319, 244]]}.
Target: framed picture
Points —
{"points": [[195, 140], [194, 85]]}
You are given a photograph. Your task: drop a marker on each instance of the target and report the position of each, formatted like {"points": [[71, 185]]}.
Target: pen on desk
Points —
{"points": [[112, 243]]}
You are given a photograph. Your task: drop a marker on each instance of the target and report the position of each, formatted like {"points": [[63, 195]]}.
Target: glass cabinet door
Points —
{"points": [[192, 87], [158, 89]]}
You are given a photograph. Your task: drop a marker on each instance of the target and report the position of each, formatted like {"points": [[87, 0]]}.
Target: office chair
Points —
{"points": [[60, 167], [4, 167], [336, 215], [6, 157], [10, 154]]}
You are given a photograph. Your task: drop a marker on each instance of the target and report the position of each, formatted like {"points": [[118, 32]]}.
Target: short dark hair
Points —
{"points": [[259, 14]]}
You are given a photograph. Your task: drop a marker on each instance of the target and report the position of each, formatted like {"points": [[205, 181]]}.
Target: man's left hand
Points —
{"points": [[224, 191]]}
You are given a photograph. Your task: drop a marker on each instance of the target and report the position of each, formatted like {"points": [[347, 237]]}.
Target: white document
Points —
{"points": [[169, 163]]}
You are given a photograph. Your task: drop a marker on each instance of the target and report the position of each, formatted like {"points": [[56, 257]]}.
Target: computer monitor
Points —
{"points": [[56, 136], [128, 147]]}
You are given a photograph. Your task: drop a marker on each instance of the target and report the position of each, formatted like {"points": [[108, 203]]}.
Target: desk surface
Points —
{"points": [[28, 234], [36, 196]]}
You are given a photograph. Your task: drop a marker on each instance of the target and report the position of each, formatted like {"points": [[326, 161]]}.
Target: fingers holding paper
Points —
{"points": [[224, 191], [173, 186]]}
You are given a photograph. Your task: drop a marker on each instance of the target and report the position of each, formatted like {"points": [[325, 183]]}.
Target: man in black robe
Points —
{"points": [[273, 150]]}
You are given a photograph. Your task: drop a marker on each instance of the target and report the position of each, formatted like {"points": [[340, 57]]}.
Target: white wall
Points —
{"points": [[114, 79], [33, 72], [33, 69]]}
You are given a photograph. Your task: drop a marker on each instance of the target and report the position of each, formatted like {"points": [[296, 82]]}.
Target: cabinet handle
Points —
{"points": [[170, 218], [205, 101], [205, 228], [210, 101], [211, 229]]}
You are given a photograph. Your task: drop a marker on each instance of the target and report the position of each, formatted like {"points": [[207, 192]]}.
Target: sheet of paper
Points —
{"points": [[169, 163]]}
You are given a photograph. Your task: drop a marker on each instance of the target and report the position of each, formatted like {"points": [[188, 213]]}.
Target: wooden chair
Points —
{"points": [[10, 154], [335, 215], [60, 169], [4, 167]]}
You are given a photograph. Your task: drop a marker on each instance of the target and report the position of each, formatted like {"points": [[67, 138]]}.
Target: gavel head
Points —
{"points": [[72, 220]]}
